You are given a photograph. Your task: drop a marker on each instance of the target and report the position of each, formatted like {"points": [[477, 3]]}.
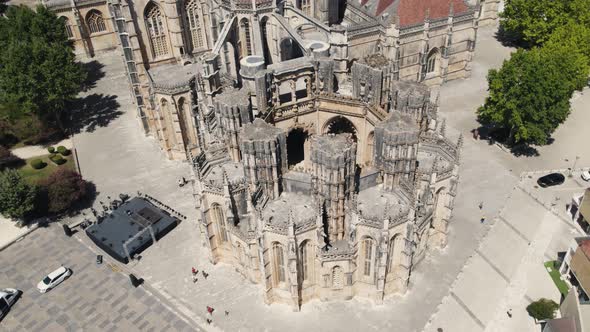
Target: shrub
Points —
{"points": [[7, 159], [37, 163], [542, 309], [63, 151], [64, 188], [58, 159], [17, 197], [51, 149]]}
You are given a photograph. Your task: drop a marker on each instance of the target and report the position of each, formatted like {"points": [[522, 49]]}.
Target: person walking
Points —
{"points": [[210, 310], [483, 219]]}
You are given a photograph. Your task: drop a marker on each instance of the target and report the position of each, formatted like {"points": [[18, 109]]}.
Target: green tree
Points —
{"points": [[64, 188], [529, 95], [542, 309], [38, 70], [533, 22], [573, 35], [17, 197]]}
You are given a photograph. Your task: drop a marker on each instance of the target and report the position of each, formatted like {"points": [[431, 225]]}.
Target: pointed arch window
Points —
{"points": [[95, 22], [68, 26], [155, 28], [245, 27], [431, 61], [278, 263], [367, 254], [337, 277], [306, 254], [305, 6], [219, 220], [192, 18]]}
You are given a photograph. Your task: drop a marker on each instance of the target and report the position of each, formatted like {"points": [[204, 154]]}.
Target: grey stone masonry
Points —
{"points": [[264, 155], [333, 163]]}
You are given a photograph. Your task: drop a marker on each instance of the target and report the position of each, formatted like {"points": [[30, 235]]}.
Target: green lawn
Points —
{"points": [[34, 175], [553, 271]]}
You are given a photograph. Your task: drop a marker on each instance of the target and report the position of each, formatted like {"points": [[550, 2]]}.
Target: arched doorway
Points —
{"points": [[296, 141], [290, 49], [340, 125]]}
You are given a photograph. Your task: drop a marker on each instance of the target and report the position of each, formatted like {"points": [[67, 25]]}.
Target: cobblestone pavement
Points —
{"points": [[94, 298]]}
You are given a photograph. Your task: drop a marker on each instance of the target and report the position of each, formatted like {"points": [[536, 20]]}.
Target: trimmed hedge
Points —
{"points": [[58, 159], [51, 149], [37, 163], [63, 151]]}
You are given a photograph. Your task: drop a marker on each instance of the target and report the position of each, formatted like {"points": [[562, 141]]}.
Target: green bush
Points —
{"points": [[51, 149], [58, 159], [37, 163], [542, 309], [63, 151]]}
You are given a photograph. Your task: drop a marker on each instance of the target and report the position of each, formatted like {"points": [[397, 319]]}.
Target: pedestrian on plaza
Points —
{"points": [[209, 321], [227, 313], [483, 219], [195, 271], [195, 279], [180, 183], [205, 274], [509, 313], [481, 205], [210, 310], [184, 180]]}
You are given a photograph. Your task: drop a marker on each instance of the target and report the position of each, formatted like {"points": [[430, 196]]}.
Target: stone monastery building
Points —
{"points": [[321, 170]]}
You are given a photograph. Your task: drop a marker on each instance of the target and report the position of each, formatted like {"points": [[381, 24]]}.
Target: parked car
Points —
{"points": [[552, 179], [8, 297], [53, 279], [586, 175]]}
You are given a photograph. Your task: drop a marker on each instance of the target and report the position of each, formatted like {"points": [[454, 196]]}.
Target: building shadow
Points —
{"points": [[94, 72], [92, 111]]}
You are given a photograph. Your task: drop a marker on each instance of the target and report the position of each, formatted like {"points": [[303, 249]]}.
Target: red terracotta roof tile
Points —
{"points": [[382, 5], [585, 246], [411, 12]]}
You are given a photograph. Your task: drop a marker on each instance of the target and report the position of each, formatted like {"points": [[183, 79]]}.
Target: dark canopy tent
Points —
{"points": [[131, 228]]}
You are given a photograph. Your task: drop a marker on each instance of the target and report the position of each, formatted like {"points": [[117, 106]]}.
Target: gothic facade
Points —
{"points": [[321, 168]]}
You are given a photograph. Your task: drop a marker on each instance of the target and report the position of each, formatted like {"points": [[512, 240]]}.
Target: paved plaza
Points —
{"points": [[466, 287], [94, 298]]}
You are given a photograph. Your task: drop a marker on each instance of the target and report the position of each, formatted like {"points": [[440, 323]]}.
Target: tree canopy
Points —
{"points": [[542, 309], [17, 197], [38, 70], [64, 188], [532, 22], [529, 94]]}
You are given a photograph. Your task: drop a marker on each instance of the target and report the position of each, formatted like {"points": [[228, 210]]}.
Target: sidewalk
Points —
{"points": [[9, 233], [506, 271], [39, 150]]}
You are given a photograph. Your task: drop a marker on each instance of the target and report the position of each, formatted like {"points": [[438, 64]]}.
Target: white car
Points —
{"points": [[53, 279], [7, 298], [586, 175]]}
